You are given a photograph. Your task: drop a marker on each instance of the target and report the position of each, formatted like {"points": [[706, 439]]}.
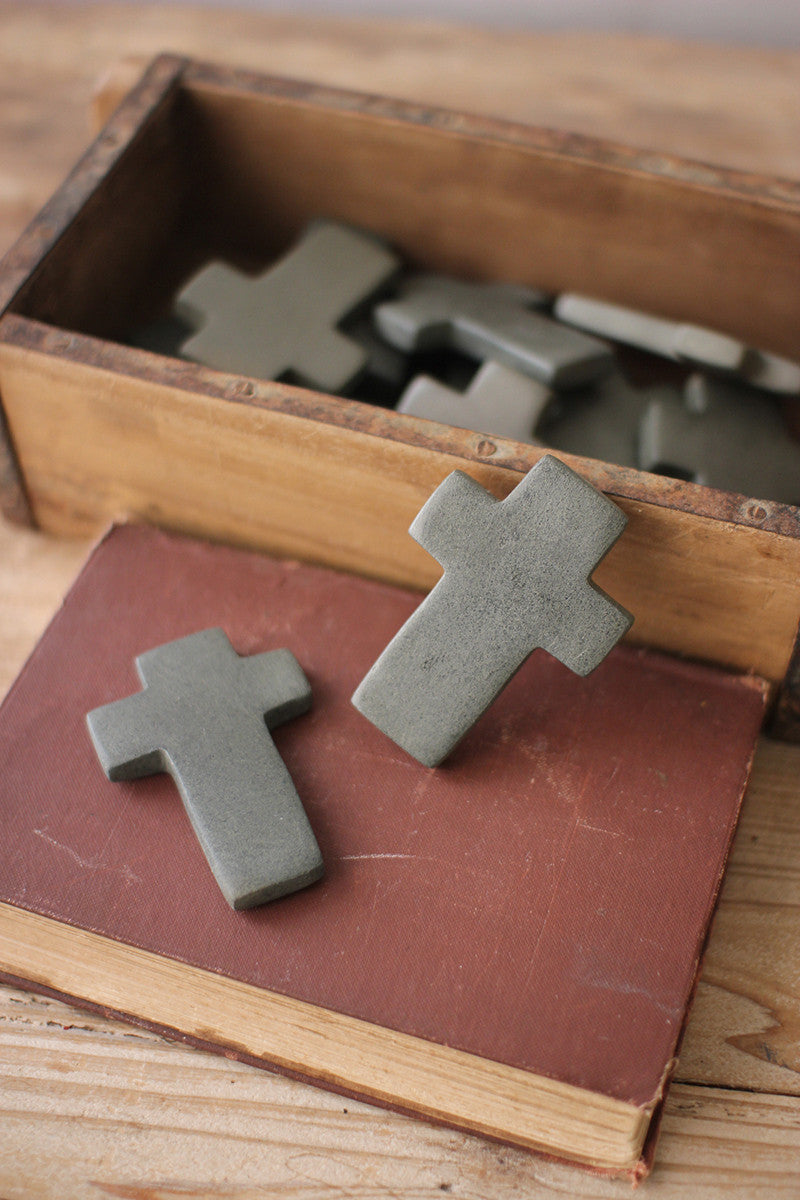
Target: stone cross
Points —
{"points": [[385, 363], [201, 718], [659, 335], [486, 320], [724, 435], [499, 401], [601, 421], [164, 335], [286, 319], [771, 372], [516, 577]]}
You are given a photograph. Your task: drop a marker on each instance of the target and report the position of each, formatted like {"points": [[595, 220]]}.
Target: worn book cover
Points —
{"points": [[507, 943]]}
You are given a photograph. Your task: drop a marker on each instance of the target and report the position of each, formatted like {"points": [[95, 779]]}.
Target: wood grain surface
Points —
{"points": [[91, 1107]]}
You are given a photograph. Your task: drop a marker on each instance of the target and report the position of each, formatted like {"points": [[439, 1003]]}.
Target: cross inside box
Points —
{"points": [[338, 313]]}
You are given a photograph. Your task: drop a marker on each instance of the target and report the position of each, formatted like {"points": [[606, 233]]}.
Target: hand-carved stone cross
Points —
{"points": [[490, 320], [201, 717], [601, 421], [723, 435], [672, 339], [516, 577], [285, 320], [498, 400]]}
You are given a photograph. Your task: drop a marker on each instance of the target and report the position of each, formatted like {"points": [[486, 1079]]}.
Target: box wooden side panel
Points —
{"points": [[62, 265], [111, 264], [488, 199], [264, 465]]}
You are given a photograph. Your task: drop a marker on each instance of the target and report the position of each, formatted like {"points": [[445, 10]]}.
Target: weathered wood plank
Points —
{"points": [[745, 1027], [90, 1105]]}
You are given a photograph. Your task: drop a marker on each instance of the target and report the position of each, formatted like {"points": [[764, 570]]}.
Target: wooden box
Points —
{"points": [[200, 160]]}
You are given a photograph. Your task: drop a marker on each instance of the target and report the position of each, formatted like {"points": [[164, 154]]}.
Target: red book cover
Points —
{"points": [[540, 901]]}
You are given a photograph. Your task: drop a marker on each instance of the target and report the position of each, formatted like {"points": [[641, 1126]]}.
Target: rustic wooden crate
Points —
{"points": [[200, 160]]}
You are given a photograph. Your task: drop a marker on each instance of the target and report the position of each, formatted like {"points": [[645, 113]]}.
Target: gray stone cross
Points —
{"points": [[723, 435], [601, 421], [498, 400], [771, 372], [706, 348], [486, 320], [516, 577], [201, 718], [285, 320]]}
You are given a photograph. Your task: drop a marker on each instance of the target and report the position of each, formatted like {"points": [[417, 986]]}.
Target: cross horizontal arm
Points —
{"points": [[277, 684], [127, 737], [599, 621], [449, 523]]}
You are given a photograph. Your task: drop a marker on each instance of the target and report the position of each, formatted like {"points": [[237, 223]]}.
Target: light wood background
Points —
{"points": [[90, 1107]]}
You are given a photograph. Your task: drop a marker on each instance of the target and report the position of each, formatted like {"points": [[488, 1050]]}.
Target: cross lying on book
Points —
{"points": [[201, 718], [516, 579]]}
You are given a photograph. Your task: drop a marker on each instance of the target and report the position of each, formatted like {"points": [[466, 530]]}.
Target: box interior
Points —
{"points": [[216, 172]]}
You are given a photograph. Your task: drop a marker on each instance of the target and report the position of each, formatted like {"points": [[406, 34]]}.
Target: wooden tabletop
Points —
{"points": [[92, 1107]]}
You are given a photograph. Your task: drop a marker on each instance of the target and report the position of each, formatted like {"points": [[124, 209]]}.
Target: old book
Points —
{"points": [[508, 943]]}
